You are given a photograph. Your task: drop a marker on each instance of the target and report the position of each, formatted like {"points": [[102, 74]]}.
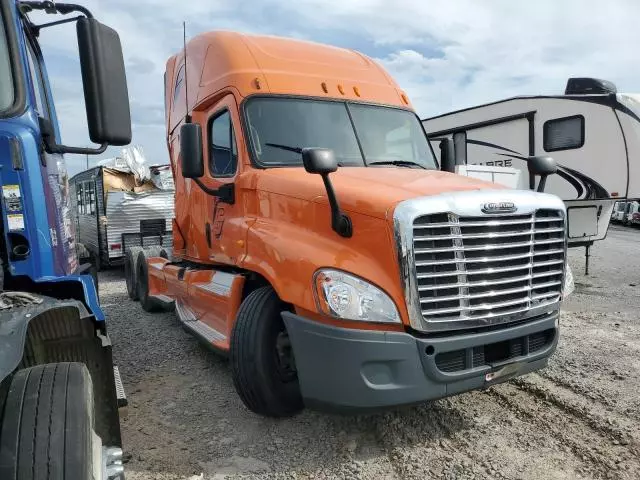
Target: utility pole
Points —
{"points": [[87, 155]]}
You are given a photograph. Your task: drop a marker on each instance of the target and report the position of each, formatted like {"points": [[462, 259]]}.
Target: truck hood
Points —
{"points": [[367, 190]]}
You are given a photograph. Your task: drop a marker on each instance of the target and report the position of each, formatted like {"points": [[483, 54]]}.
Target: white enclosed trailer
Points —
{"points": [[592, 132]]}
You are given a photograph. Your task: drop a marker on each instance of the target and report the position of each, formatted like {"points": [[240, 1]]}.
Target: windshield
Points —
{"points": [[281, 127], [6, 81]]}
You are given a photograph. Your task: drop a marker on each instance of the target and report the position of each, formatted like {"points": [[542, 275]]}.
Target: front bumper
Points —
{"points": [[343, 369]]}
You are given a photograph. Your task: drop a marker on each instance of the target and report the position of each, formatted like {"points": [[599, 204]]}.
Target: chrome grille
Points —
{"points": [[480, 267]]}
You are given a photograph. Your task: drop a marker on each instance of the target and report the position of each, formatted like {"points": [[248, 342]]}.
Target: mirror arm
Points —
{"points": [[50, 145], [56, 148], [226, 192], [340, 221], [542, 183], [36, 28], [53, 8]]}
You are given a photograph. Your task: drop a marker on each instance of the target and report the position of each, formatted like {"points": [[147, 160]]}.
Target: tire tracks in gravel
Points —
{"points": [[596, 414], [474, 436], [574, 424]]}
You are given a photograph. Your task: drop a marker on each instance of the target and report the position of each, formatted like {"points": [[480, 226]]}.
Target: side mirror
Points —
{"points": [[192, 163], [323, 162], [541, 166], [104, 82], [319, 160], [447, 156]]}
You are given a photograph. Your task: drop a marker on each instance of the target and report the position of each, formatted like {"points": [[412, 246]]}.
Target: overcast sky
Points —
{"points": [[447, 54]]}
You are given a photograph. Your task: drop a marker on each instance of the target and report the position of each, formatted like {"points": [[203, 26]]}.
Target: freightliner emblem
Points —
{"points": [[499, 207]]}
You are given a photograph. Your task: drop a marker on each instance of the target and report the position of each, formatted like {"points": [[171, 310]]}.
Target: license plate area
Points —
{"points": [[504, 373]]}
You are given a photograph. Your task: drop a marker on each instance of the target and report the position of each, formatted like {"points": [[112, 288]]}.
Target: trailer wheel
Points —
{"points": [[261, 357], [149, 304], [131, 271], [47, 430]]}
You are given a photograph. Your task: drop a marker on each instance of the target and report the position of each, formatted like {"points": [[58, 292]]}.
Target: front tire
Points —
{"points": [[261, 358], [47, 430]]}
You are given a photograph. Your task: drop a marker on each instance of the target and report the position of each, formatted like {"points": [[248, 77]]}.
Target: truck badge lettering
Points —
{"points": [[499, 207]]}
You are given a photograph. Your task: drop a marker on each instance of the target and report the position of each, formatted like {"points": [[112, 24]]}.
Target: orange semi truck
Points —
{"points": [[318, 244]]}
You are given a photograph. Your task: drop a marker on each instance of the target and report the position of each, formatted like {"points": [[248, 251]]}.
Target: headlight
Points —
{"points": [[569, 285], [351, 298]]}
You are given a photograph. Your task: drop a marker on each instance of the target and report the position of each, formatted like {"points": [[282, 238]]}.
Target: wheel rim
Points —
{"points": [[285, 362]]}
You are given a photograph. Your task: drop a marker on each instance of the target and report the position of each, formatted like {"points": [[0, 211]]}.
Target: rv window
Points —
{"points": [[80, 196], [563, 133], [92, 199], [223, 155], [87, 198]]}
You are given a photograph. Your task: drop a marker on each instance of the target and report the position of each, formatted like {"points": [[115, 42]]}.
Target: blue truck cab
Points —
{"points": [[59, 390]]}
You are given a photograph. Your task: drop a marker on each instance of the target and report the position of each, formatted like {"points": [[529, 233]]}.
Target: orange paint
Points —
{"points": [[279, 226]]}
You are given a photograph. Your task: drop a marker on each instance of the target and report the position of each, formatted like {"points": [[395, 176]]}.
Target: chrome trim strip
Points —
{"points": [[492, 293], [487, 235], [502, 258]]}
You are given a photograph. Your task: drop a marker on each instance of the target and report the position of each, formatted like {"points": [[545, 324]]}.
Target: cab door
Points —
{"points": [[225, 227]]}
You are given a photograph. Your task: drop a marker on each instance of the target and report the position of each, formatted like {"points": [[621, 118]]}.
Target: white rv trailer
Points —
{"points": [[592, 132]]}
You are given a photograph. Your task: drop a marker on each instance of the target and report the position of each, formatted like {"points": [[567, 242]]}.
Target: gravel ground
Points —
{"points": [[579, 418]]}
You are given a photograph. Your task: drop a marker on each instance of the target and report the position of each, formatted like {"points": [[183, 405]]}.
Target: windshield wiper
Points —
{"points": [[285, 147], [397, 163], [292, 149]]}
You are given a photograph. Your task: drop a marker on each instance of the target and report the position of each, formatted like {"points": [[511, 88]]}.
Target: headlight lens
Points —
{"points": [[569, 285], [351, 298]]}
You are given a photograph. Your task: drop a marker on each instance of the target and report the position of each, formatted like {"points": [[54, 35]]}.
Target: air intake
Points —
{"points": [[587, 86]]}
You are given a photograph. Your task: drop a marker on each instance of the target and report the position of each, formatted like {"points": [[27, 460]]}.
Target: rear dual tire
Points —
{"points": [[265, 380], [131, 271], [148, 303]]}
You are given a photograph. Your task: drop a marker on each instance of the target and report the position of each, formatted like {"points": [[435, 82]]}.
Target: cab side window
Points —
{"points": [[178, 85], [223, 154], [38, 83]]}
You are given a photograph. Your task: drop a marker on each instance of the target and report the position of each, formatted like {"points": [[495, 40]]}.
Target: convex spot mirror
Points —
{"points": [[319, 160], [542, 165]]}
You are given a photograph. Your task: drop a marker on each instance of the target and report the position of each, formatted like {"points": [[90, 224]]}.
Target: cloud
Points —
{"points": [[140, 66], [446, 55]]}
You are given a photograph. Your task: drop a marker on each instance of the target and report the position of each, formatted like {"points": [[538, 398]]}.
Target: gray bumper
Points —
{"points": [[345, 369]]}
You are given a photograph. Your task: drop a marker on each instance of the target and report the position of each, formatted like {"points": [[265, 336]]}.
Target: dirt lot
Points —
{"points": [[580, 418]]}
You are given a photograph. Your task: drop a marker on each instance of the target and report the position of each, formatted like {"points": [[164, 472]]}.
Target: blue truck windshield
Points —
{"points": [[6, 81], [358, 134]]}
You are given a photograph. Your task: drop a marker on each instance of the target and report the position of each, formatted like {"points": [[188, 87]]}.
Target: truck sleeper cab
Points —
{"points": [[318, 245]]}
